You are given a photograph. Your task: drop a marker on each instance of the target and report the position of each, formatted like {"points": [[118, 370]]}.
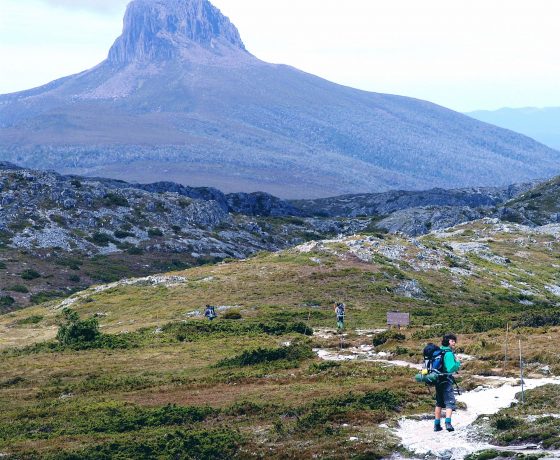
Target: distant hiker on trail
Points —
{"points": [[340, 311], [445, 397], [210, 312]]}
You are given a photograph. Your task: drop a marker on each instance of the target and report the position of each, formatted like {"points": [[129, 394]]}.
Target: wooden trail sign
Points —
{"points": [[397, 318]]}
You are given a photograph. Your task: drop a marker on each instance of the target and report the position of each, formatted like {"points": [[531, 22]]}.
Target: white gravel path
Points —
{"points": [[418, 436]]}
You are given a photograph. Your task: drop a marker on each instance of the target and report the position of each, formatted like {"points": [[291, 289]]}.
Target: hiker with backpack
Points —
{"points": [[210, 312], [445, 396], [440, 364], [340, 312]]}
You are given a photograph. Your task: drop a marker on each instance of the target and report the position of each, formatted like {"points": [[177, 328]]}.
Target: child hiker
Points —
{"points": [[445, 396]]}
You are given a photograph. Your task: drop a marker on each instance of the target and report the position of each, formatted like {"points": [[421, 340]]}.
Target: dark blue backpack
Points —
{"points": [[433, 358]]}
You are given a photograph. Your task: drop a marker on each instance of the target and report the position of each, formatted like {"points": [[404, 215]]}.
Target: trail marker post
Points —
{"points": [[506, 352], [521, 371]]}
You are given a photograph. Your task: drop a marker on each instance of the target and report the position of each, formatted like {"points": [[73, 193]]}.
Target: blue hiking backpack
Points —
{"points": [[433, 358], [433, 366]]}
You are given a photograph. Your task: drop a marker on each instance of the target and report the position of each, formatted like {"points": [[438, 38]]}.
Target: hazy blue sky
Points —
{"points": [[463, 54]]}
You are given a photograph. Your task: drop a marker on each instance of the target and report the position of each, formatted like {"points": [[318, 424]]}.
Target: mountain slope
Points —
{"points": [[179, 98], [540, 124]]}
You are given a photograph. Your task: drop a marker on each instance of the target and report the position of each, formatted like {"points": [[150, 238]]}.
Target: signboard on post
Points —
{"points": [[396, 318]]}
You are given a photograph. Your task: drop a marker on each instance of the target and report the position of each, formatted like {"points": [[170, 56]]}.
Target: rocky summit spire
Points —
{"points": [[160, 29]]}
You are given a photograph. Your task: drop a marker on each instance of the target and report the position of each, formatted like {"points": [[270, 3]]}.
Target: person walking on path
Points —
{"points": [[210, 312], [445, 396], [340, 311]]}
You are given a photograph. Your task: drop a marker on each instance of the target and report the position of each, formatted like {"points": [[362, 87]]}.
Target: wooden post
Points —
{"points": [[521, 371], [506, 352]]}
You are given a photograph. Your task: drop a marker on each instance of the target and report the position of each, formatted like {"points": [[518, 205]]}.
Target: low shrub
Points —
{"points": [[18, 288], [232, 314], [123, 234], [73, 330], [178, 445], [197, 330], [6, 301], [14, 381], [317, 368], [293, 353], [506, 423], [45, 296], [34, 319], [539, 319], [112, 199], [385, 336], [30, 274], [100, 239], [154, 232]]}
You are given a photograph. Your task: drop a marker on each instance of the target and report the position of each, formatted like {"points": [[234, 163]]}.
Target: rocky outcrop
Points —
{"points": [[44, 210], [157, 30], [382, 204], [422, 220], [261, 204], [197, 193]]}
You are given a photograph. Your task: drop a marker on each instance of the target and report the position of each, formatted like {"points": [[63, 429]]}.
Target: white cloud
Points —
{"points": [[98, 6], [475, 54]]}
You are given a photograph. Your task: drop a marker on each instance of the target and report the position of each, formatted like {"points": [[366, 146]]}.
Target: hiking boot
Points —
{"points": [[449, 427], [438, 427]]}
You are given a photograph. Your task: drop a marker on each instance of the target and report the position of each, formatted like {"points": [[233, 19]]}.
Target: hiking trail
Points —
{"points": [[416, 433]]}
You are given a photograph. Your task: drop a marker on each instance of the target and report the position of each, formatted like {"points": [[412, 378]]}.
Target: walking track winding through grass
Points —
{"points": [[417, 435]]}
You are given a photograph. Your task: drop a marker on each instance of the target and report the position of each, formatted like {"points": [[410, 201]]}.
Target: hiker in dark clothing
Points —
{"points": [[445, 397], [210, 313], [340, 311]]}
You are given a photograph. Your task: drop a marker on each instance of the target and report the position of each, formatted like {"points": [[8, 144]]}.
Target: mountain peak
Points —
{"points": [[161, 29]]}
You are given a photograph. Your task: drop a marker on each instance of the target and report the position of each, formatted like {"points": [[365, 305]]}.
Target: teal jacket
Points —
{"points": [[450, 362]]}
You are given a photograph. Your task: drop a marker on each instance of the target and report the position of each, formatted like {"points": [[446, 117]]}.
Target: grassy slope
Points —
{"points": [[66, 400]]}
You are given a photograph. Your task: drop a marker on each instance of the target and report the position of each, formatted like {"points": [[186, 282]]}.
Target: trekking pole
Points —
{"points": [[521, 371]]}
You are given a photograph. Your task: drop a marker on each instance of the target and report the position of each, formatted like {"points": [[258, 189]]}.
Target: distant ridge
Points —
{"points": [[542, 124], [179, 98]]}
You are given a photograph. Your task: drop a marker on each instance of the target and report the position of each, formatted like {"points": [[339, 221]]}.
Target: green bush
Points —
{"points": [[123, 234], [100, 239], [539, 319], [232, 314], [30, 274], [112, 199], [200, 330], [75, 331], [70, 262], [293, 353], [6, 301], [177, 445], [153, 232], [18, 288], [385, 336], [506, 423], [317, 368], [34, 319], [45, 296], [58, 219]]}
